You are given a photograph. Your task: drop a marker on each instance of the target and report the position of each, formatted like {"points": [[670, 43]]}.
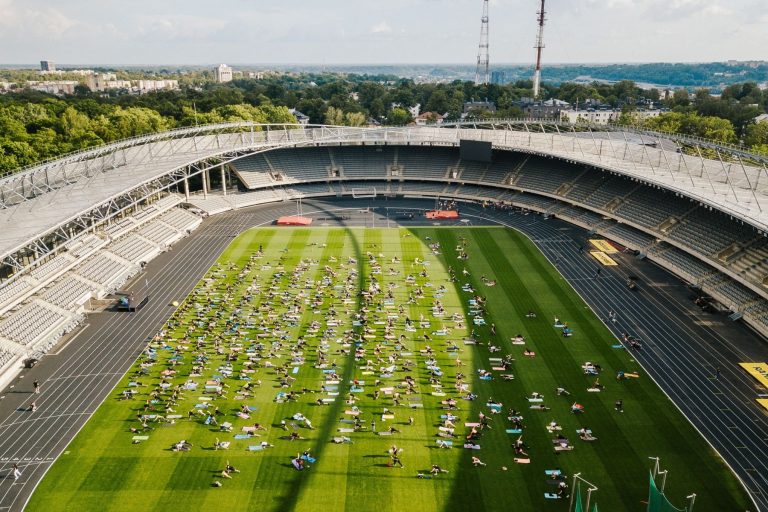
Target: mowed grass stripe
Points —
{"points": [[419, 453], [562, 368], [330, 473], [495, 491], [188, 469]]}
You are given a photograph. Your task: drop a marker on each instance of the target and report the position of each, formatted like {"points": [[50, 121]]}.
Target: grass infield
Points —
{"points": [[248, 302]]}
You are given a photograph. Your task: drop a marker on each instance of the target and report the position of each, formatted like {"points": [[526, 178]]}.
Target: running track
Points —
{"points": [[682, 346]]}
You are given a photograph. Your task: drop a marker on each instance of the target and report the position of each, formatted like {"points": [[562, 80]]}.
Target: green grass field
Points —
{"points": [[104, 470]]}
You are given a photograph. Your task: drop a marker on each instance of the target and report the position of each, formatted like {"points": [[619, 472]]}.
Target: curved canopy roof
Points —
{"points": [[43, 198]]}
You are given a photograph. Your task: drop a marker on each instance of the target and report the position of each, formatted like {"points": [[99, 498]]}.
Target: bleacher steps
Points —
{"points": [[116, 257], [563, 189], [63, 312], [613, 204], [668, 224], [730, 253], [145, 239]]}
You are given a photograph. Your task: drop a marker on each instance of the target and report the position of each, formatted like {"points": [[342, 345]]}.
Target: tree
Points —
{"points": [[334, 116], [399, 117], [134, 121], [314, 108], [680, 98], [15, 154], [438, 102], [756, 135], [712, 128]]}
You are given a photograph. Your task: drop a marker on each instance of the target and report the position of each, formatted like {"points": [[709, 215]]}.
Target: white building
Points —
{"points": [[604, 116], [301, 118], [104, 81], [428, 118], [590, 116], [145, 86], [57, 87], [223, 73]]}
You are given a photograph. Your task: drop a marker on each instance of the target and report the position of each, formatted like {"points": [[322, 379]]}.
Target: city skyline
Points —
{"points": [[337, 32]]}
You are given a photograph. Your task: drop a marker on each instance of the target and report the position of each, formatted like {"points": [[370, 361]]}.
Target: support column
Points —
{"points": [[186, 189], [205, 183], [223, 181]]}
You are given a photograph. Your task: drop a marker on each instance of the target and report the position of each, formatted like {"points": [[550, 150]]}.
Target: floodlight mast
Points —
{"points": [[539, 47], [482, 73]]}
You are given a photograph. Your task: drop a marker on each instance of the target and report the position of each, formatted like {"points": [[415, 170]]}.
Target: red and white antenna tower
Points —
{"points": [[482, 74], [539, 47]]}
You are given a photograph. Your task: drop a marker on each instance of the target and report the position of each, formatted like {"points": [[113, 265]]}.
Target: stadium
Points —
{"points": [[649, 250]]}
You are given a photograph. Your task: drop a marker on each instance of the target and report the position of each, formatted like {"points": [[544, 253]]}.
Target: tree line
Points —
{"points": [[36, 126]]}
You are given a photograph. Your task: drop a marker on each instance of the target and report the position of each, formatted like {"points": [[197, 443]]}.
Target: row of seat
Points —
{"points": [[34, 322], [90, 266], [68, 292], [15, 291]]}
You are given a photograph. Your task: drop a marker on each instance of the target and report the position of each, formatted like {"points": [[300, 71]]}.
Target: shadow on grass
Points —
{"points": [[291, 498]]}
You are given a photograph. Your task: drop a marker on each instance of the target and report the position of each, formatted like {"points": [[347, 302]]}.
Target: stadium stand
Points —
{"points": [[181, 220], [710, 232], [422, 163], [610, 191], [212, 204], [544, 175], [107, 272], [160, 233], [134, 248], [430, 189], [254, 171], [121, 227], [587, 184], [83, 247], [38, 322], [69, 292], [666, 205], [13, 293], [691, 267], [480, 192], [531, 201], [356, 162], [472, 171], [59, 264], [300, 164], [630, 237], [309, 189], [752, 263]]}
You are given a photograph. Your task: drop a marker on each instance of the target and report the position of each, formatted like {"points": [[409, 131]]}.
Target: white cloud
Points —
{"points": [[22, 20], [249, 31], [381, 28], [180, 27]]}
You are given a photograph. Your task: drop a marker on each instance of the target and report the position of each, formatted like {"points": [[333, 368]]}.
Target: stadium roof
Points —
{"points": [[41, 199]]}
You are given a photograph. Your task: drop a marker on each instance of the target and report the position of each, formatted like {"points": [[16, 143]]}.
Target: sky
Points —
{"points": [[323, 32]]}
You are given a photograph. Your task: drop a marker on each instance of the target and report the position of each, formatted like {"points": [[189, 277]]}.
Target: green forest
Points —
{"points": [[37, 126]]}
